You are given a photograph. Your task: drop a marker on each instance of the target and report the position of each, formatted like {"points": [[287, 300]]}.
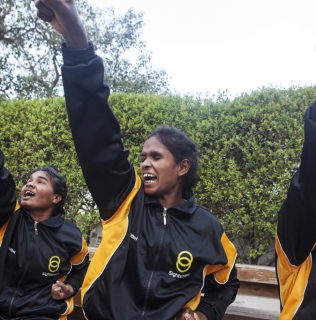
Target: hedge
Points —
{"points": [[249, 149]]}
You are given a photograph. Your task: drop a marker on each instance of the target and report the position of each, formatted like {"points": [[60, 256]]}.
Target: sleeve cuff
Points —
{"points": [[207, 310], [76, 289], [74, 57]]}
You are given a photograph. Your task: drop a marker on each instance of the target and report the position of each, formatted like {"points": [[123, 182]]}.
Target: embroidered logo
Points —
{"points": [[53, 264], [133, 237], [184, 261], [13, 251]]}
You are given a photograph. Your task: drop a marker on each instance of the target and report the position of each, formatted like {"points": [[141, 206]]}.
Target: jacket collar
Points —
{"points": [[187, 207], [52, 222]]}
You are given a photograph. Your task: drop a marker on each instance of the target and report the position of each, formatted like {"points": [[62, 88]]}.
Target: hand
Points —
{"points": [[64, 17], [188, 314], [61, 291]]}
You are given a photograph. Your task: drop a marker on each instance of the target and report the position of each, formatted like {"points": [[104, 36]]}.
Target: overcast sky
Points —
{"points": [[238, 45]]}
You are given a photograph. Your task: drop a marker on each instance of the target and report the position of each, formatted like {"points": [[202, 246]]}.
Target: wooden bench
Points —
{"points": [[257, 296]]}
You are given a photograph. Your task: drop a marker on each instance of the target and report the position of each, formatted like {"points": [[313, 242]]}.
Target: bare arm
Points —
{"points": [[64, 17]]}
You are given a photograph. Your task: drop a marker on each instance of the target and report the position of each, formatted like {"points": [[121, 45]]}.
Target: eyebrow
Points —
{"points": [[152, 153], [40, 177]]}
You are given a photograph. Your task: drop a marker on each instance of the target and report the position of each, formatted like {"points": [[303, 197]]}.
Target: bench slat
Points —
{"points": [[257, 307], [254, 273]]}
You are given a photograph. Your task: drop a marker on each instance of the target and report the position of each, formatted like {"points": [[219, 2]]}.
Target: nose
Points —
{"points": [[145, 164], [29, 184]]}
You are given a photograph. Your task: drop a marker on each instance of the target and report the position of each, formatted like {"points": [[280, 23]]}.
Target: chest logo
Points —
{"points": [[184, 261], [54, 263]]}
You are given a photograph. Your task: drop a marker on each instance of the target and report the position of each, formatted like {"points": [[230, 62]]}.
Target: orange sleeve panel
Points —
{"points": [[293, 281], [111, 239], [221, 272]]}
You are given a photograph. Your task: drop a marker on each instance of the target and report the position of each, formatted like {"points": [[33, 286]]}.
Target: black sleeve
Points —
{"points": [[95, 130], [217, 297], [79, 268], [7, 196], [297, 217]]}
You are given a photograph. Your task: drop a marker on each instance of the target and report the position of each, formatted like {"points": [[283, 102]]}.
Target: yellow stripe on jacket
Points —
{"points": [[111, 239]]}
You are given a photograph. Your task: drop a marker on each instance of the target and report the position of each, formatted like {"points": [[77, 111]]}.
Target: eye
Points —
{"points": [[156, 156], [142, 158]]}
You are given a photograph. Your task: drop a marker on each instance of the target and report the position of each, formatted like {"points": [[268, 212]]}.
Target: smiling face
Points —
{"points": [[37, 195], [162, 176]]}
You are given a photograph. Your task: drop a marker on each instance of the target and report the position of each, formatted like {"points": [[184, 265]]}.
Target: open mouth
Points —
{"points": [[149, 178], [29, 193]]}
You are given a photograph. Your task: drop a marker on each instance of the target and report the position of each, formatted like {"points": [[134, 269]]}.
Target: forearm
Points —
{"points": [[217, 297], [307, 168], [76, 38], [77, 274], [94, 127], [7, 195], [95, 130], [297, 216]]}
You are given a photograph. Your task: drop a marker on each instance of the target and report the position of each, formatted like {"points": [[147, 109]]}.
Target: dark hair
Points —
{"points": [[181, 147], [59, 185]]}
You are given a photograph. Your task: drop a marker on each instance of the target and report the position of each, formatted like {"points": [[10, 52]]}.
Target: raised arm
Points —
{"points": [[95, 130], [7, 196], [63, 16], [297, 219]]}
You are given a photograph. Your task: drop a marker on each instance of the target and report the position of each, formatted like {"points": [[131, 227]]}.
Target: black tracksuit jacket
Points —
{"points": [[144, 268], [296, 234], [33, 257]]}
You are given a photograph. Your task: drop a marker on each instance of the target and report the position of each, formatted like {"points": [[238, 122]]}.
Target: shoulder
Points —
{"points": [[202, 211], [70, 228], [207, 219]]}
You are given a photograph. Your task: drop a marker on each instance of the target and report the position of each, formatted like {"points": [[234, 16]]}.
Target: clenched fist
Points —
{"points": [[61, 291], [64, 17]]}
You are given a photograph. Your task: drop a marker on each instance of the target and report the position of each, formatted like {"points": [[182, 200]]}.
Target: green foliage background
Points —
{"points": [[249, 149]]}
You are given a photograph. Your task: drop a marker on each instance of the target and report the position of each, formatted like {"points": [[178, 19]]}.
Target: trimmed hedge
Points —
{"points": [[249, 149]]}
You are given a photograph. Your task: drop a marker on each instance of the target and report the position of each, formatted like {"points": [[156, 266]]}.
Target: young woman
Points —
{"points": [[43, 258], [161, 255]]}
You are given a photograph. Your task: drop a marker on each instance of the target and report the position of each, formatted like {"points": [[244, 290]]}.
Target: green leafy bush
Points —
{"points": [[249, 149]]}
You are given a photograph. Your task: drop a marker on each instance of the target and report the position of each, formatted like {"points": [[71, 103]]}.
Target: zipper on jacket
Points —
{"points": [[164, 214], [35, 228], [27, 262]]}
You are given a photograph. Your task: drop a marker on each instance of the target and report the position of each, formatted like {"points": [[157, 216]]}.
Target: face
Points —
{"points": [[161, 174], [38, 193]]}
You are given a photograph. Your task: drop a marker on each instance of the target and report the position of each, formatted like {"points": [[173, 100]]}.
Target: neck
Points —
{"points": [[39, 216], [169, 201]]}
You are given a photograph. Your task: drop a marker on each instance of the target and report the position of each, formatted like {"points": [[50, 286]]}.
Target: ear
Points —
{"points": [[57, 198], [184, 167]]}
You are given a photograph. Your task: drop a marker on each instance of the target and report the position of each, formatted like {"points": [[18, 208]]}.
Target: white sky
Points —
{"points": [[238, 45]]}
